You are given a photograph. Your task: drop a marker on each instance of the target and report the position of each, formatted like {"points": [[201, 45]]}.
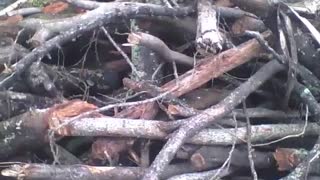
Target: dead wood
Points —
{"points": [[39, 81], [109, 149], [11, 52], [216, 156], [63, 156], [188, 106], [171, 105], [144, 67], [14, 103], [31, 127], [109, 126], [209, 38], [260, 7], [218, 64], [25, 11], [45, 29], [302, 170], [203, 98], [96, 17], [54, 81], [21, 131], [159, 47], [288, 159], [246, 23], [201, 175], [201, 74], [156, 91], [208, 116], [84, 80], [85, 172]]}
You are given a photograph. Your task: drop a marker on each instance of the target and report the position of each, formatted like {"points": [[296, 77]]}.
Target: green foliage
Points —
{"points": [[39, 3]]}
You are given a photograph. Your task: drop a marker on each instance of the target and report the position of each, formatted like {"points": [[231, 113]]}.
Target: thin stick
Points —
{"points": [[153, 78], [290, 136], [227, 162], [134, 69], [253, 171]]}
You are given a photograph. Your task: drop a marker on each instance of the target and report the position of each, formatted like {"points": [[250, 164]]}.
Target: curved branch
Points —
{"points": [[158, 46], [91, 20]]}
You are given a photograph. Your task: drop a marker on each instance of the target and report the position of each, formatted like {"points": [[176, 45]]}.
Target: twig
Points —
{"points": [[133, 68], [227, 162], [290, 136], [265, 45], [253, 171], [175, 71], [157, 71]]}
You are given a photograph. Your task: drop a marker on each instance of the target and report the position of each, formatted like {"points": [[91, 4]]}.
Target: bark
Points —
{"points": [[201, 175], [213, 66], [159, 47], [13, 103], [21, 131], [11, 52], [108, 126], [216, 156], [42, 79], [209, 38], [211, 115], [247, 23], [261, 8], [84, 172], [96, 18]]}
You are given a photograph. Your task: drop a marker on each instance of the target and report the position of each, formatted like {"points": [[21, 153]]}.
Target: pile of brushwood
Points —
{"points": [[150, 89]]}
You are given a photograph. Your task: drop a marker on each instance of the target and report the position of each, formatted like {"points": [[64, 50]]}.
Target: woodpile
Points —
{"points": [[148, 89]]}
